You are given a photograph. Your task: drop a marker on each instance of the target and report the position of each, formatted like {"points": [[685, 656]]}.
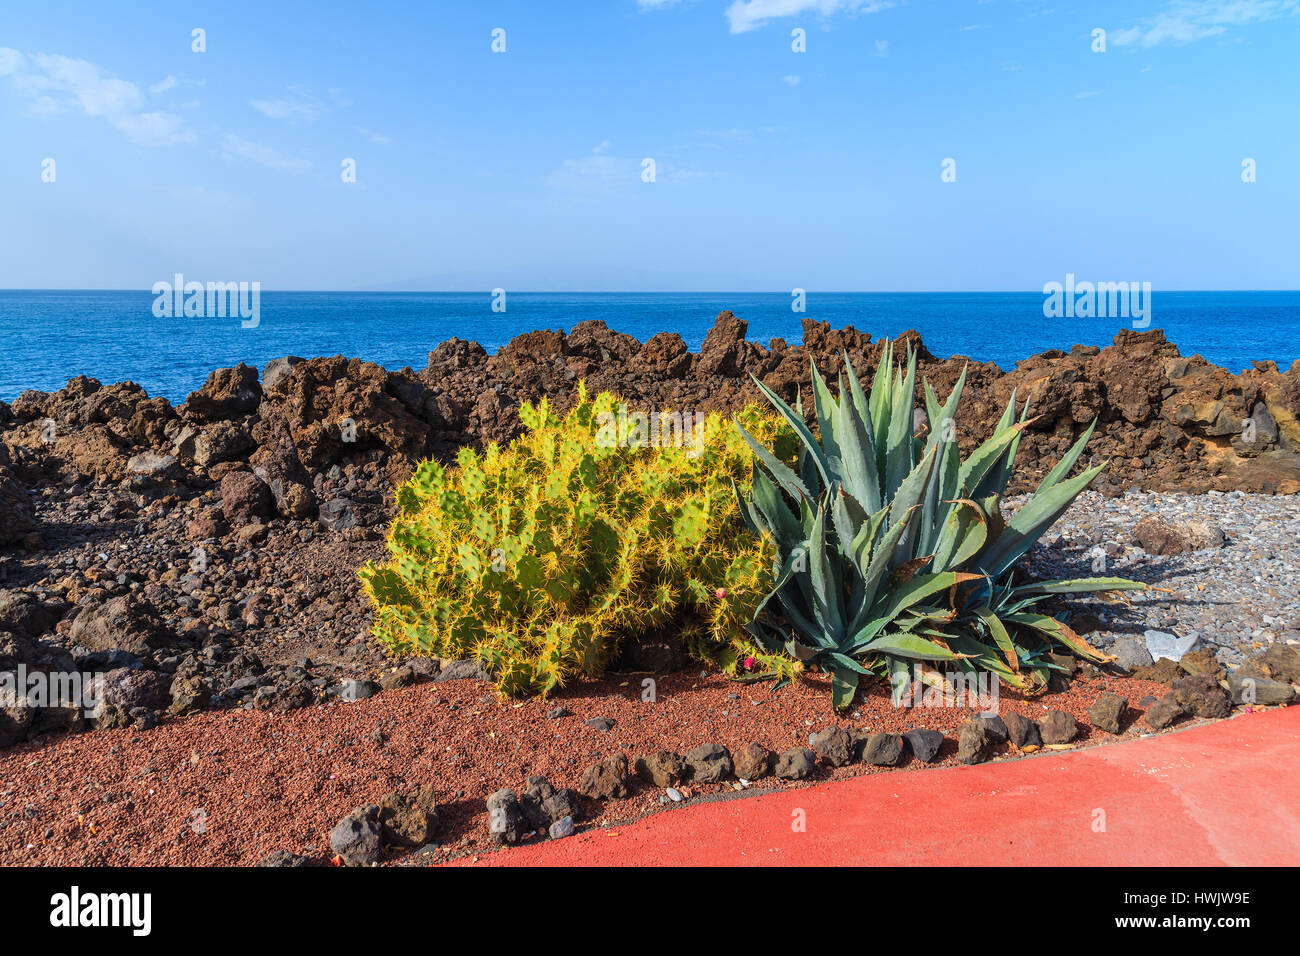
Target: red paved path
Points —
{"points": [[1223, 793]]}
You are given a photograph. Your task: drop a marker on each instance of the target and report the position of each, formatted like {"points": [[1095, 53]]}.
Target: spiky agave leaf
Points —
{"points": [[890, 533]]}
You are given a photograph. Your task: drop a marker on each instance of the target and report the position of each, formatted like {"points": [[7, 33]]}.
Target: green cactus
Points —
{"points": [[540, 558]]}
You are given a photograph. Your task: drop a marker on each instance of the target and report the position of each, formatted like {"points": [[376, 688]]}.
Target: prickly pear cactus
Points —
{"points": [[540, 558]]}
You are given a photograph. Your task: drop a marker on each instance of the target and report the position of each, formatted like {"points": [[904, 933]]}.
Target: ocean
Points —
{"points": [[47, 337]]}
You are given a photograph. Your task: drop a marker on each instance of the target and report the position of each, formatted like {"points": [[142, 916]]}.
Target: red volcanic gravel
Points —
{"points": [[229, 787]]}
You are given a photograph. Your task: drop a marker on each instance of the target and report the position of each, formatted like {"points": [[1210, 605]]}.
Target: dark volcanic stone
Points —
{"points": [[506, 820], [1164, 711], [663, 769], [1022, 731], [883, 750], [1107, 711], [753, 762], [797, 763], [923, 743], [605, 780], [709, 763], [995, 729], [973, 743], [356, 838], [834, 745], [1201, 696], [1057, 727]]}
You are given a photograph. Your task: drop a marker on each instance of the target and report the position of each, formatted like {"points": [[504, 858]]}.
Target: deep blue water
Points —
{"points": [[48, 337]]}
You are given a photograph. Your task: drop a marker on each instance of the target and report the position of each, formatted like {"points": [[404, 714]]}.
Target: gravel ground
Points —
{"points": [[222, 788], [230, 786], [1237, 599]]}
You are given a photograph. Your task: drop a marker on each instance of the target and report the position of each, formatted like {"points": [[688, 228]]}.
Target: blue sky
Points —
{"points": [[774, 169]]}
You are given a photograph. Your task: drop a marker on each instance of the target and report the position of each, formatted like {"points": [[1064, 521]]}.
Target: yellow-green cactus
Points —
{"points": [[540, 558]]}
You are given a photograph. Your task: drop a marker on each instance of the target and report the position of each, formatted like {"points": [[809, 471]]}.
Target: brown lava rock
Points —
{"points": [[973, 742], [882, 750], [834, 745], [1022, 731], [663, 769], [753, 762], [1164, 712], [1106, 712], [605, 780], [1201, 696], [409, 819], [245, 499], [709, 763], [797, 763], [1163, 671], [1057, 727], [1203, 661]]}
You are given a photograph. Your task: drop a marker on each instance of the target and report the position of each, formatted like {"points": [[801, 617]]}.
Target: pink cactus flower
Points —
{"points": [[749, 663], [720, 593]]}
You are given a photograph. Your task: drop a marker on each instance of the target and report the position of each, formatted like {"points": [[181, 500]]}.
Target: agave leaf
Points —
{"points": [[963, 535], [900, 679], [779, 470], [825, 580], [932, 410], [1036, 516], [1062, 467], [982, 657], [1079, 586], [844, 687], [879, 406], [877, 567], [937, 413], [772, 511], [899, 442], [1011, 454], [827, 410], [909, 496], [909, 646], [1001, 638], [1062, 634], [892, 603], [860, 549], [995, 479], [800, 428], [752, 522], [985, 457], [845, 661], [857, 456]]}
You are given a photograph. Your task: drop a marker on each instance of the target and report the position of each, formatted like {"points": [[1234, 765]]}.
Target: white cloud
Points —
{"points": [[655, 4], [299, 104], [234, 145], [601, 176], [745, 15], [792, 80], [1185, 21], [1085, 95], [58, 83], [594, 176], [163, 85], [374, 137], [11, 61], [726, 135], [882, 48]]}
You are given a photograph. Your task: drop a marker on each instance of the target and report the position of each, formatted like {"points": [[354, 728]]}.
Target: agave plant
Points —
{"points": [[891, 551]]}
